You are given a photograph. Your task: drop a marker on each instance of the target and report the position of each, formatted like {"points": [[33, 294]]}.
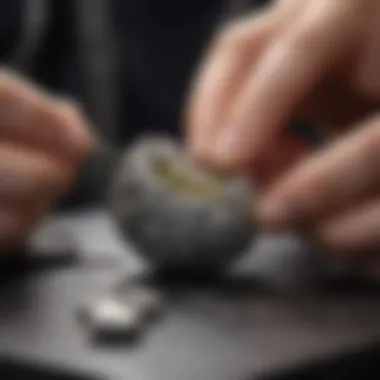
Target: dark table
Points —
{"points": [[205, 335]]}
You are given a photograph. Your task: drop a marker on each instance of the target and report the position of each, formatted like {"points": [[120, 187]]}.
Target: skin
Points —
{"points": [[42, 141], [319, 60]]}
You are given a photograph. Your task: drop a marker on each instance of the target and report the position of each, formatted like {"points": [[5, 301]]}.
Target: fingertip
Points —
{"points": [[236, 149], [78, 137], [229, 149], [275, 214]]}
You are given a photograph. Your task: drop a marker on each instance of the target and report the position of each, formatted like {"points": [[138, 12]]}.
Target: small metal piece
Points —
{"points": [[146, 302], [110, 320]]}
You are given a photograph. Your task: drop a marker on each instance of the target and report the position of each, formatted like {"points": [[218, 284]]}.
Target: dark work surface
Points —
{"points": [[16, 370], [208, 332], [361, 364]]}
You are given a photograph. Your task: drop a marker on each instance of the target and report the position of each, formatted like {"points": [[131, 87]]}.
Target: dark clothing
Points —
{"points": [[159, 43], [10, 24], [162, 42], [54, 63], [156, 47]]}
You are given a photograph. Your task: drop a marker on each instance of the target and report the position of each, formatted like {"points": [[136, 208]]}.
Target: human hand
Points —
{"points": [[318, 60], [42, 141]]}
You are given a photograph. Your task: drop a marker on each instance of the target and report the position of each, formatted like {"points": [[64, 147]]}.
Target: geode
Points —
{"points": [[177, 214]]}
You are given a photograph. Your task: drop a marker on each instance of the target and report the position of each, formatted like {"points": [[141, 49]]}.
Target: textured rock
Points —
{"points": [[176, 214]]}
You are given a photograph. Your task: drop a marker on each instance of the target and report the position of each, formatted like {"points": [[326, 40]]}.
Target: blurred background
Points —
{"points": [[129, 64]]}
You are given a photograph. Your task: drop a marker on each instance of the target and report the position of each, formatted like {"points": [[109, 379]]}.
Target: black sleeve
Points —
{"points": [[10, 27], [57, 65]]}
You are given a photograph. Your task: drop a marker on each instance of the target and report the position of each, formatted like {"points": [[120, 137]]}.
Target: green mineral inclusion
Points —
{"points": [[180, 179]]}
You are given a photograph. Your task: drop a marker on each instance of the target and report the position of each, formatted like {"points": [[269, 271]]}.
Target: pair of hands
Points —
{"points": [[315, 59]]}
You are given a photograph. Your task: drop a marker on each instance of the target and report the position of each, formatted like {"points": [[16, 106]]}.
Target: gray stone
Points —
{"points": [[207, 227]]}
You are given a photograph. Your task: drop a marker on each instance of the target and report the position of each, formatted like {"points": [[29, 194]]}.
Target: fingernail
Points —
{"points": [[229, 146], [235, 146], [76, 139], [197, 148], [274, 214]]}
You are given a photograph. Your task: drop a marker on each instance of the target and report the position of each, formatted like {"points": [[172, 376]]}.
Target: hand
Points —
{"points": [[42, 141], [318, 60]]}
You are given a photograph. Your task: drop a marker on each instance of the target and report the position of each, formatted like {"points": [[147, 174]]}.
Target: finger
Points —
{"points": [[286, 153], [27, 174], [354, 233], [29, 115], [366, 76], [219, 79], [70, 115], [287, 73], [16, 224], [341, 175], [19, 220], [222, 74]]}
